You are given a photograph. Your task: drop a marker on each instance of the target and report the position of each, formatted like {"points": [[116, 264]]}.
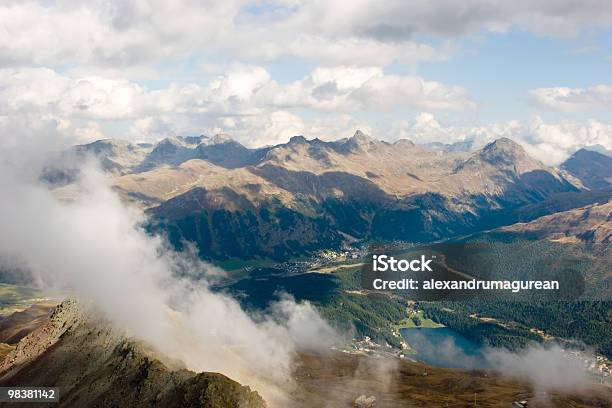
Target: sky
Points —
{"points": [[538, 71]]}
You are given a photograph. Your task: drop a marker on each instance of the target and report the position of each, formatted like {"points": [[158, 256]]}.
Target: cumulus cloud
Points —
{"points": [[108, 33], [280, 126], [554, 142], [369, 88], [244, 101], [365, 51], [256, 110], [397, 20], [273, 128], [574, 99], [341, 32]]}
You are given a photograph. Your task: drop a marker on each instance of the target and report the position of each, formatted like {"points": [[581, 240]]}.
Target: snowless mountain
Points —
{"points": [[593, 169]]}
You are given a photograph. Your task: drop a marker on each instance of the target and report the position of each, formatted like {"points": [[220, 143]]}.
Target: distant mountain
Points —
{"points": [[95, 365], [593, 169], [116, 156], [120, 157], [293, 198]]}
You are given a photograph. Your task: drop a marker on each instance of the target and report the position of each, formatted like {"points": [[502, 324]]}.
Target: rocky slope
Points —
{"points": [[591, 224], [96, 366]]}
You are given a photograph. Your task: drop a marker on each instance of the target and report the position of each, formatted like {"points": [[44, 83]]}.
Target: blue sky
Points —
{"points": [[502, 70], [538, 71]]}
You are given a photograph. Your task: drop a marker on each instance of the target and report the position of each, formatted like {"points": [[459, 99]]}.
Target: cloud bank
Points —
{"points": [[243, 100], [342, 32]]}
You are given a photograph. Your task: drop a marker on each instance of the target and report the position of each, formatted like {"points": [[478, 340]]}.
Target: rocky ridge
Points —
{"points": [[94, 365]]}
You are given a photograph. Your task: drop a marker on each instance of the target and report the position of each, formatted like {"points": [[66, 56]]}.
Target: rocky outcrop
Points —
{"points": [[95, 365]]}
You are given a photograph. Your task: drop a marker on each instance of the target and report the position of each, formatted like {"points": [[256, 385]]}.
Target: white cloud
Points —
{"points": [[108, 33], [368, 88], [424, 129], [337, 127], [279, 126], [553, 143], [90, 97], [126, 33], [399, 20], [245, 100], [574, 99], [364, 51], [91, 131], [260, 130], [391, 91]]}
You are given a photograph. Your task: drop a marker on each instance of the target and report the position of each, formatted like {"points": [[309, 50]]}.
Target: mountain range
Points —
{"points": [[294, 198]]}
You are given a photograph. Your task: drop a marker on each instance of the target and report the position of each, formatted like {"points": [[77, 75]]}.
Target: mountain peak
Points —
{"points": [[168, 145], [220, 138], [505, 154], [404, 143], [359, 141], [587, 154], [76, 342], [361, 137], [503, 150], [504, 143], [298, 139]]}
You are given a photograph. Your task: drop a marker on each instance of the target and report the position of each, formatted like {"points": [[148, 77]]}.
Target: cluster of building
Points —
{"points": [[366, 346], [599, 366], [322, 258], [346, 254]]}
